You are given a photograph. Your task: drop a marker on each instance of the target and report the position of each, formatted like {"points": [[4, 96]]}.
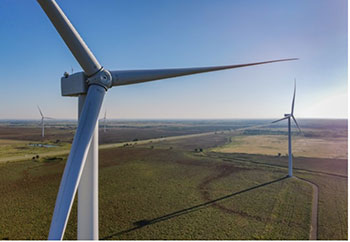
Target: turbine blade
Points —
{"points": [[137, 76], [280, 119], [76, 161], [297, 124], [41, 113], [295, 87], [71, 37]]}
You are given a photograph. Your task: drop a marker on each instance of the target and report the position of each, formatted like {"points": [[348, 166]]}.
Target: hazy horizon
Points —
{"points": [[170, 119]]}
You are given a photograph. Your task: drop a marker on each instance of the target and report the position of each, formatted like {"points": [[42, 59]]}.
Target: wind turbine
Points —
{"points": [[42, 122], [90, 86], [290, 116]]}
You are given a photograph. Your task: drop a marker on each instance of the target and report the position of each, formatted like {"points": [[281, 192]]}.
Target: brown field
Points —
{"points": [[315, 165], [274, 144], [32, 133]]}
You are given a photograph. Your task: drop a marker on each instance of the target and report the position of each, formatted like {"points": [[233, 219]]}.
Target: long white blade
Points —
{"points": [[137, 76], [297, 124], [71, 37], [76, 160], [41, 113], [280, 119], [295, 87]]}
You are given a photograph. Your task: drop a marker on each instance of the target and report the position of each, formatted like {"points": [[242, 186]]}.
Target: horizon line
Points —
{"points": [[159, 119]]}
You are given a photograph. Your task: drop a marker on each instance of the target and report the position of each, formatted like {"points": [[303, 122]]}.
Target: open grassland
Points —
{"points": [[12, 150], [161, 194], [274, 144]]}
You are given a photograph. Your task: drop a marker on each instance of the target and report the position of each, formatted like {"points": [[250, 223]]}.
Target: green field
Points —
{"points": [[11, 149], [333, 206], [330, 175], [170, 195]]}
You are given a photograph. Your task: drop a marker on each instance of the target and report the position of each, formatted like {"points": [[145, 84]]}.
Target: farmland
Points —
{"points": [[274, 144], [167, 190], [183, 188]]}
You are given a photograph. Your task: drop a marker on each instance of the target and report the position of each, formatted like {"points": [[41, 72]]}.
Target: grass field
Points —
{"points": [[333, 206], [330, 175], [171, 195], [27, 149]]}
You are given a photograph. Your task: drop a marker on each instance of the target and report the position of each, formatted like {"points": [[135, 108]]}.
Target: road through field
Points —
{"points": [[105, 146], [314, 212], [116, 145]]}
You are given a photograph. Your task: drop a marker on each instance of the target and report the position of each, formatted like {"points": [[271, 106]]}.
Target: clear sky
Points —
{"points": [[132, 34]]}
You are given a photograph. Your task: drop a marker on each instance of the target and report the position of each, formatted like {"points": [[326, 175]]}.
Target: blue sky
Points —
{"points": [[133, 34]]}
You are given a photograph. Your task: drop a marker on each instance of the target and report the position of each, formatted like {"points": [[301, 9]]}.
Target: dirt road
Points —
{"points": [[314, 212]]}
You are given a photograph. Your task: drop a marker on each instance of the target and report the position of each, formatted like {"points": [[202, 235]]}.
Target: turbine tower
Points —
{"points": [[42, 122], [104, 122], [90, 86], [290, 116]]}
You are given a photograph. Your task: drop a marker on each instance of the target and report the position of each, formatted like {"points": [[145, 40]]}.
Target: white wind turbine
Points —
{"points": [[90, 86], [42, 122], [289, 116]]}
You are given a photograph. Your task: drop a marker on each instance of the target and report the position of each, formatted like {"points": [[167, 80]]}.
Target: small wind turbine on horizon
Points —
{"points": [[42, 122], [290, 116], [90, 86]]}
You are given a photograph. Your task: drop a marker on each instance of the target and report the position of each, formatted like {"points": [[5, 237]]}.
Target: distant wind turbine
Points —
{"points": [[42, 122], [289, 116]]}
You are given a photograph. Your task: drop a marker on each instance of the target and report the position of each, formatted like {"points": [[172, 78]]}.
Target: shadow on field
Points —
{"points": [[145, 222], [230, 159]]}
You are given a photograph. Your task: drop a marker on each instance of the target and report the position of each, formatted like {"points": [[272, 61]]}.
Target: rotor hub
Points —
{"points": [[102, 78]]}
